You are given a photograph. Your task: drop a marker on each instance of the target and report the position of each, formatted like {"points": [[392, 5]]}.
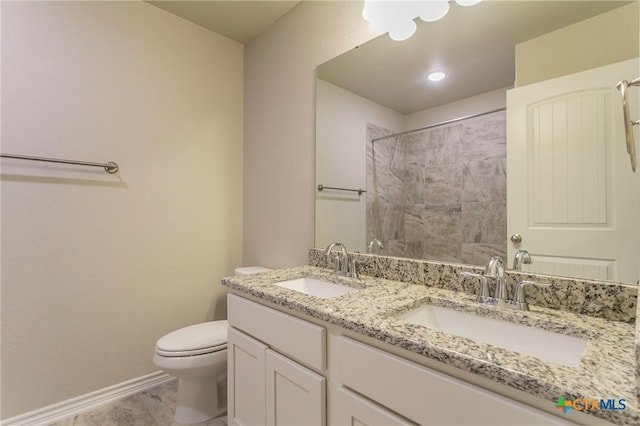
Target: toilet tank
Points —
{"points": [[246, 270]]}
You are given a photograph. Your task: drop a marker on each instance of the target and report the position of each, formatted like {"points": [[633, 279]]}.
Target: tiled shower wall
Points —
{"points": [[440, 194]]}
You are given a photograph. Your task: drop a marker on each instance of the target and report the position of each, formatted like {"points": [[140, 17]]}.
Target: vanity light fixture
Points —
{"points": [[397, 16], [436, 76]]}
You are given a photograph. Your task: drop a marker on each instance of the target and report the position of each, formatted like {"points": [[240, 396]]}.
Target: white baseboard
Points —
{"points": [[71, 407]]}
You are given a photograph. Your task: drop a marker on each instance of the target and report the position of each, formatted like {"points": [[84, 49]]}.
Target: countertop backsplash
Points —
{"points": [[611, 301]]}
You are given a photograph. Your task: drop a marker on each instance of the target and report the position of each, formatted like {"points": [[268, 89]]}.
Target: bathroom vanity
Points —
{"points": [[297, 356]]}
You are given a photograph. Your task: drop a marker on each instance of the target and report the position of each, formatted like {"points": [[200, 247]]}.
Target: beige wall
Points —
{"points": [[279, 125], [580, 47], [96, 267]]}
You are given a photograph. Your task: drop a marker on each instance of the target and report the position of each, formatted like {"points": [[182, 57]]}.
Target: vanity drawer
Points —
{"points": [[423, 395], [296, 338]]}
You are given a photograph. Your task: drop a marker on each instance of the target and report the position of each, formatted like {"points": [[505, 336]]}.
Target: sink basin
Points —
{"points": [[315, 287], [543, 344]]}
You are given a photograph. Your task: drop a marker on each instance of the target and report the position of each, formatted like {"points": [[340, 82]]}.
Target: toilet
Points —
{"points": [[197, 356]]}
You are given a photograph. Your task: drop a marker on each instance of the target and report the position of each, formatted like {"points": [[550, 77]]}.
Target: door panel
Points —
{"points": [[245, 379], [296, 396], [571, 193]]}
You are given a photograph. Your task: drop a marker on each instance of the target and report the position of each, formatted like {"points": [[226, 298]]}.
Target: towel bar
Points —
{"points": [[623, 86], [359, 191], [109, 167]]}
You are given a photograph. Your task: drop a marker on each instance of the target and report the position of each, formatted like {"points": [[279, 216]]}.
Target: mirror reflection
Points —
{"points": [[519, 148]]}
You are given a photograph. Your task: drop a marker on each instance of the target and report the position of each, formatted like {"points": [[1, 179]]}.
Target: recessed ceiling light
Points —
{"points": [[436, 76]]}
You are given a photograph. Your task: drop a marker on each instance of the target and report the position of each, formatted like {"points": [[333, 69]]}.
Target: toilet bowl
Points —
{"points": [[197, 356]]}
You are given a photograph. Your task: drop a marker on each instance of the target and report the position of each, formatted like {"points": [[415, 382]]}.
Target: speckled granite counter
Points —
{"points": [[607, 369]]}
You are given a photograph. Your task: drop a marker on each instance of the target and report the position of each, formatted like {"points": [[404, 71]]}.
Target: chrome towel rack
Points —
{"points": [[623, 86], [322, 188], [109, 167]]}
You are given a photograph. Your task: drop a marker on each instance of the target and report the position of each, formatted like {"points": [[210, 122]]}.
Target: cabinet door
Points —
{"points": [[426, 396], [353, 409], [295, 396], [245, 379]]}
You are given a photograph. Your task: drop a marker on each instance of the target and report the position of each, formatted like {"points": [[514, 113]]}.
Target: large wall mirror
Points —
{"points": [[520, 147]]}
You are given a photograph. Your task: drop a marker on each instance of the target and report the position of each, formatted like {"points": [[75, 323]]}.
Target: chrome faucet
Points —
{"points": [[521, 257], [375, 246], [495, 271], [343, 264], [519, 301]]}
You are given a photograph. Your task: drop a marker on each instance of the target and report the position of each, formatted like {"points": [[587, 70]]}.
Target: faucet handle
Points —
{"points": [[336, 264], [519, 298], [484, 295], [353, 267], [375, 246], [495, 267], [521, 257]]}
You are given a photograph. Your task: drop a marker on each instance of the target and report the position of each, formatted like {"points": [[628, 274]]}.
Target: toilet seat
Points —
{"points": [[193, 340]]}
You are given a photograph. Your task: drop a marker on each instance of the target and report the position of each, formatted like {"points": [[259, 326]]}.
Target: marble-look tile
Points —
{"points": [[161, 402], [437, 227], [150, 407], [484, 137], [383, 183], [413, 188], [443, 166], [410, 152], [443, 184], [479, 253], [127, 411], [484, 222], [399, 248], [484, 181], [386, 222], [422, 222], [443, 145]]}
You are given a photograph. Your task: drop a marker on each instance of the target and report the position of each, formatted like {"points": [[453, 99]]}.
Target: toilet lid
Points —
{"points": [[194, 339]]}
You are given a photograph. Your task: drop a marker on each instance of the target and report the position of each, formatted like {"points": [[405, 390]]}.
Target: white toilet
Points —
{"points": [[197, 356]]}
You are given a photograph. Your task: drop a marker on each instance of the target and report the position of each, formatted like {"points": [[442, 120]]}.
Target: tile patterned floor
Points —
{"points": [[152, 407]]}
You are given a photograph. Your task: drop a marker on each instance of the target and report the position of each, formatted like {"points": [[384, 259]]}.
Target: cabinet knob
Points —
{"points": [[516, 238]]}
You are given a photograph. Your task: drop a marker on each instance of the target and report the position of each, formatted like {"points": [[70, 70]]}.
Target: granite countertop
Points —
{"points": [[607, 369]]}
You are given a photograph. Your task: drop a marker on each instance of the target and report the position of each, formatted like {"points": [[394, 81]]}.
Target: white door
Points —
{"points": [[245, 379], [295, 395], [571, 193]]}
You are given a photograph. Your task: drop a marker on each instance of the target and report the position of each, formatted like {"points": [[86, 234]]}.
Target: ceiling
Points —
{"points": [[473, 45], [238, 20]]}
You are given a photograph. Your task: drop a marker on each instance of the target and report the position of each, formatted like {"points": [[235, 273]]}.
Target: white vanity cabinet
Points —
{"points": [[266, 381], [282, 368], [384, 388]]}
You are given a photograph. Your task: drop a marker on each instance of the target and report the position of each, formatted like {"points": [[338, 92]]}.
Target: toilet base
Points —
{"points": [[199, 400]]}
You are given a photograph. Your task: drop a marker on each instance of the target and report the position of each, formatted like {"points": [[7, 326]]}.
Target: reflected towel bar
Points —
{"points": [[623, 86], [322, 188], [109, 167]]}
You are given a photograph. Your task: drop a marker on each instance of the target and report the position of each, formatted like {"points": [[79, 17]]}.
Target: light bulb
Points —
{"points": [[436, 76], [467, 2], [397, 16], [430, 11], [402, 31]]}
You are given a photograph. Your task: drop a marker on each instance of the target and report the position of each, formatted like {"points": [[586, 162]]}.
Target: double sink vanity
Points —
{"points": [[408, 343]]}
